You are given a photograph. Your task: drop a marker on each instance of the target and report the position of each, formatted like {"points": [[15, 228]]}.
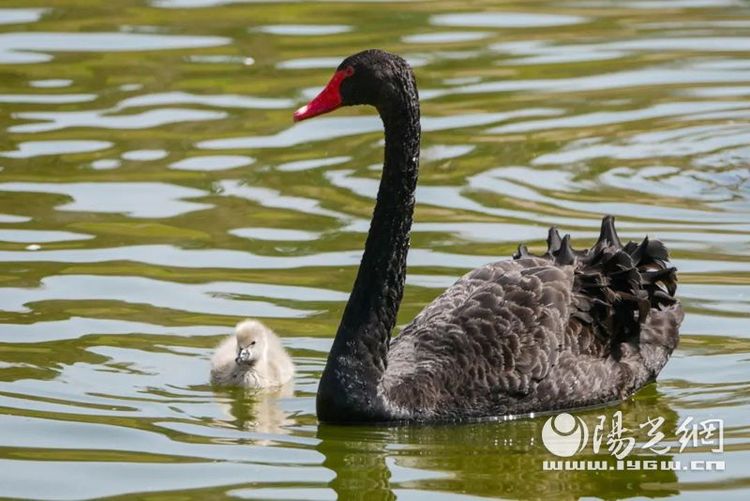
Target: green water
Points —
{"points": [[154, 191]]}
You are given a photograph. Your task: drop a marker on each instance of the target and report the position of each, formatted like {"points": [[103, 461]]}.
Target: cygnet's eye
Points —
{"points": [[252, 344]]}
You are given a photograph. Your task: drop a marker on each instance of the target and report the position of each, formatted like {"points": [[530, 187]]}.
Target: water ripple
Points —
{"points": [[154, 200], [20, 16], [26, 48], [53, 121], [505, 19], [30, 149]]}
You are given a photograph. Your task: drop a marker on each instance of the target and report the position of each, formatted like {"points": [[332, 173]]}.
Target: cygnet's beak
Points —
{"points": [[243, 356]]}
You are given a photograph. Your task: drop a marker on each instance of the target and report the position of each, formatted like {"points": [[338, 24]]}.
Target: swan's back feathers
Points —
{"points": [[488, 339], [565, 329], [615, 286]]}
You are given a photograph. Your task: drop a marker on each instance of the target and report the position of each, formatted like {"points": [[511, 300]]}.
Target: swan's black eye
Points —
{"points": [[252, 344], [348, 71]]}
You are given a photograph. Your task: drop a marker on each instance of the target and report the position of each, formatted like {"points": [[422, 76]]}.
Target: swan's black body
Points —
{"points": [[562, 330]]}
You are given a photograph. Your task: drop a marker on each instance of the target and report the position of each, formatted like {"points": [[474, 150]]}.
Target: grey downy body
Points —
{"points": [[562, 330]]}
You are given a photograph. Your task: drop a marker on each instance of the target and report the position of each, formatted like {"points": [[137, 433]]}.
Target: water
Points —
{"points": [[155, 192]]}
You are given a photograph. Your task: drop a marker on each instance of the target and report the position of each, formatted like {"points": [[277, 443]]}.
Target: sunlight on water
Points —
{"points": [[154, 191]]}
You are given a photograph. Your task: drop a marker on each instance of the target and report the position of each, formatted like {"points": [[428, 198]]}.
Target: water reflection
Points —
{"points": [[212, 162], [304, 30], [258, 412], [46, 99], [25, 48], [217, 298], [144, 155], [51, 83], [215, 100], [59, 120], [154, 200], [20, 16], [29, 149], [505, 460], [505, 19]]}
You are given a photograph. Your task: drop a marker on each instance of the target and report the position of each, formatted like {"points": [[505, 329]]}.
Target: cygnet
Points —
{"points": [[252, 357]]}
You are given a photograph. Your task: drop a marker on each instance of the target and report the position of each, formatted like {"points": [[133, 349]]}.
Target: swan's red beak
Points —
{"points": [[328, 100]]}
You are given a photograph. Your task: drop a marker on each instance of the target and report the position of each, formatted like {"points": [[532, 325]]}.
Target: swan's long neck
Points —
{"points": [[357, 359]]}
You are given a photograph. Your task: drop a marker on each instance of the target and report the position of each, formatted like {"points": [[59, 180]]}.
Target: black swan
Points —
{"points": [[561, 330]]}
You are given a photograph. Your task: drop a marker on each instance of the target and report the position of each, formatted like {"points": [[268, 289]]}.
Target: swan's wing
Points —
{"points": [[581, 379], [564, 329], [616, 287], [481, 293], [485, 340]]}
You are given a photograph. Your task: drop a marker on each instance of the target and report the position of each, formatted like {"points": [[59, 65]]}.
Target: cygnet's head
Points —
{"points": [[252, 342]]}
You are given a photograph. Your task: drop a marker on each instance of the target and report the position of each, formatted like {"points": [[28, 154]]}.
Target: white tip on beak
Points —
{"points": [[301, 112], [243, 355]]}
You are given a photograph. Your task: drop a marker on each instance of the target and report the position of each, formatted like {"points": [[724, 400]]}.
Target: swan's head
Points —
{"points": [[373, 77], [252, 342]]}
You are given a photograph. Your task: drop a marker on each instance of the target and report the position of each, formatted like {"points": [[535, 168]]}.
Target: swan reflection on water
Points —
{"points": [[484, 459], [256, 411], [494, 459]]}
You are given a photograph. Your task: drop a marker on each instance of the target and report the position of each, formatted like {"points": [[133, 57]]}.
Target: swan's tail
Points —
{"points": [[616, 286]]}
